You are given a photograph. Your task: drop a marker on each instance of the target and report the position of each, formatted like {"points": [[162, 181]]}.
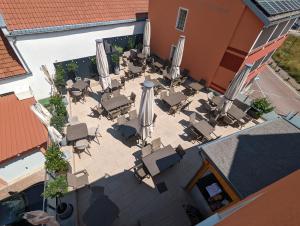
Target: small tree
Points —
{"points": [[131, 43], [55, 162], [59, 80], [72, 67], [56, 188], [262, 105]]}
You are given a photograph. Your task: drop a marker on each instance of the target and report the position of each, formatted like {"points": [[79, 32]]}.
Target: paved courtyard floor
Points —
{"points": [[110, 163]]}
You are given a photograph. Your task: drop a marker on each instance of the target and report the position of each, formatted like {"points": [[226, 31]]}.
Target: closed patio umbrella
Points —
{"points": [[234, 89], [146, 111], [44, 116], [102, 65], [146, 41], [177, 58]]}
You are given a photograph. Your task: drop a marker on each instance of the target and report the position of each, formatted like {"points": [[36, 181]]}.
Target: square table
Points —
{"points": [[115, 102], [77, 132], [80, 85], [135, 70], [204, 128], [236, 113], [175, 98], [196, 86], [161, 160]]}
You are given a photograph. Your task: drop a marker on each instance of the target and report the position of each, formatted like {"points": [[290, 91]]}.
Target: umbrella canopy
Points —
{"points": [[234, 89], [45, 117], [146, 41], [146, 110], [102, 65], [177, 58]]}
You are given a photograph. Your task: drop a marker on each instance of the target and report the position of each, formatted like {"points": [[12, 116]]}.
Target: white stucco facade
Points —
{"points": [[48, 48]]}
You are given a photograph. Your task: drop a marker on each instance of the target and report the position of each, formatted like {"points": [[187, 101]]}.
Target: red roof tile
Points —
{"points": [[20, 14], [9, 62], [20, 129]]}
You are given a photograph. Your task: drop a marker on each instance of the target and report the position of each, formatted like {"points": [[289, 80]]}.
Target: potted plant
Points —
{"points": [[56, 189], [131, 43], [58, 111], [259, 107], [55, 162], [115, 58], [72, 68], [93, 64]]}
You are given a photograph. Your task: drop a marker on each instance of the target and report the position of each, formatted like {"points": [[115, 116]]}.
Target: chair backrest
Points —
{"points": [[154, 118], [76, 92], [183, 79], [147, 150], [227, 120], [210, 95], [132, 114], [180, 151], [123, 80], [147, 77], [163, 94], [192, 118], [69, 83], [186, 105], [121, 120], [156, 143], [87, 81], [132, 96]]}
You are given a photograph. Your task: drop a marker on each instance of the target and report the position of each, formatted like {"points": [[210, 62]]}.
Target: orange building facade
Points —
{"points": [[221, 36]]}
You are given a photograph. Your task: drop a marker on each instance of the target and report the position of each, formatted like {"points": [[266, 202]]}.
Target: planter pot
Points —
{"points": [[117, 70], [254, 113], [64, 210]]}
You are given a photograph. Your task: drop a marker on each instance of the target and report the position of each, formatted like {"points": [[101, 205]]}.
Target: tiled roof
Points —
{"points": [[9, 62], [20, 14], [20, 129]]}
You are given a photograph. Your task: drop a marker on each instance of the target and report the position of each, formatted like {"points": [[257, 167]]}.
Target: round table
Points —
{"points": [[80, 85]]}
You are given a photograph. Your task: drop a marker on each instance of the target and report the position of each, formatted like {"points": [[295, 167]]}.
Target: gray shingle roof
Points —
{"points": [[256, 157]]}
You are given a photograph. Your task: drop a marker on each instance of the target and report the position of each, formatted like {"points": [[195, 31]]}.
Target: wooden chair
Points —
{"points": [[192, 119], [186, 106], [140, 172], [154, 119], [180, 151], [132, 114], [93, 133], [96, 111], [82, 146], [156, 144], [78, 179], [69, 84], [77, 95], [147, 150], [174, 109], [114, 114], [123, 81], [227, 121], [132, 98], [163, 94], [125, 109]]}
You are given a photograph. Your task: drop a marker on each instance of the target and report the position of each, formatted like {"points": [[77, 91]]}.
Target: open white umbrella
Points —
{"points": [[44, 116], [234, 89], [177, 58], [146, 111], [102, 65], [146, 41]]}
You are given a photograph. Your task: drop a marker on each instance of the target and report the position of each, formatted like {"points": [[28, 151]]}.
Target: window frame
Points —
{"points": [[172, 51], [178, 16]]}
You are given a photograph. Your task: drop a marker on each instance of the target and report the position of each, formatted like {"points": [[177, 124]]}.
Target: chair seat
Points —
{"points": [[141, 172], [82, 143]]}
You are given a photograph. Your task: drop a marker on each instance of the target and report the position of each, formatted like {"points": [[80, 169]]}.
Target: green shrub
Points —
{"points": [[56, 188], [58, 105], [59, 80], [55, 162], [72, 67], [93, 60], [131, 43], [115, 58], [118, 49], [262, 105], [58, 122]]}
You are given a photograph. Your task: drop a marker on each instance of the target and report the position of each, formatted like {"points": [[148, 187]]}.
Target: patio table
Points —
{"points": [[161, 160], [141, 56], [236, 112], [204, 128], [175, 98], [130, 128], [115, 84], [196, 86], [77, 132], [80, 85], [135, 70], [115, 102]]}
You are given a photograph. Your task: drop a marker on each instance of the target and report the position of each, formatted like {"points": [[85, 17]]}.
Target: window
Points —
{"points": [[278, 30], [264, 36], [181, 19]]}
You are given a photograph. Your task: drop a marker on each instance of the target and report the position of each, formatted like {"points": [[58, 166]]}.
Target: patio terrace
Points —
{"points": [[110, 163]]}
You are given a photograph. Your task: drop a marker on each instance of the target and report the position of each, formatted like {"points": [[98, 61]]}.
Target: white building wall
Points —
{"points": [[15, 84], [48, 48]]}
